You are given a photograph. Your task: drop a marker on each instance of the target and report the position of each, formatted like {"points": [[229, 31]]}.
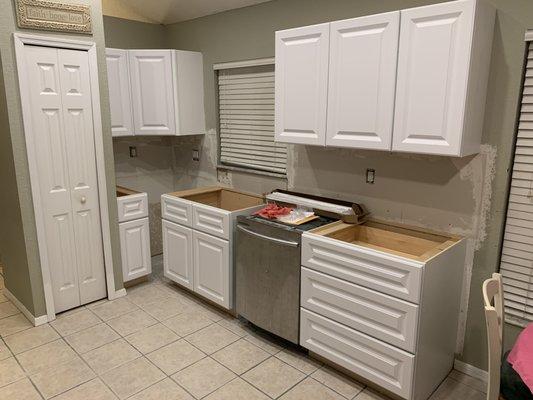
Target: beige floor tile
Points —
{"points": [[10, 371], [131, 322], [167, 308], [175, 356], [309, 389], [92, 338], [265, 342], [370, 394], [31, 338], [14, 324], [467, 380], [452, 389], [338, 382], [299, 360], [131, 378], [236, 326], [273, 377], [212, 338], [92, 390], [110, 356], [3, 298], [4, 351], [20, 390], [211, 312], [146, 294], [152, 338], [7, 309], [241, 356], [203, 377], [72, 323], [113, 309], [237, 389], [61, 378], [47, 356], [187, 323], [164, 390]]}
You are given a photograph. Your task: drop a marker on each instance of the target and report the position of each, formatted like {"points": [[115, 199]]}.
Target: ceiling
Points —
{"points": [[170, 11]]}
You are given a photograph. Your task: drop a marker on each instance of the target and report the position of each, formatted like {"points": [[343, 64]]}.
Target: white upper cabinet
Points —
{"points": [[442, 78], [362, 76], [302, 58], [166, 89], [118, 77]]}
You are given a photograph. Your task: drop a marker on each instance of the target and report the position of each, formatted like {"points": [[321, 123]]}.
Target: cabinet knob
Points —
{"points": [[83, 199]]}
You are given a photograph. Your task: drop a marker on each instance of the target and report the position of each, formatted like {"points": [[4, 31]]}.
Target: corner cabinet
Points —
{"points": [[413, 80], [162, 90]]}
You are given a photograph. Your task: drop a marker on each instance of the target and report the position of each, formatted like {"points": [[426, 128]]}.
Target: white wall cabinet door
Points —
{"points": [[301, 87], [118, 76], [152, 86], [211, 257], [177, 253], [433, 65], [135, 249], [362, 80]]}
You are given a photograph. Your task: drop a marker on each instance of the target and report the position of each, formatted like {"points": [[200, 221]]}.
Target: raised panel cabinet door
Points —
{"points": [[118, 77], [135, 249], [433, 65], [152, 90], [211, 257], [362, 81], [301, 86], [177, 253]]}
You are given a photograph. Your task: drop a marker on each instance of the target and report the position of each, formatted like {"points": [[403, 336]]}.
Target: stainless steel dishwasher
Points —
{"points": [[267, 268]]}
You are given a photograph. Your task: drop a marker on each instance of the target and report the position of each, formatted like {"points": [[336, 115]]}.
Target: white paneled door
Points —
{"points": [[118, 77], [177, 253], [63, 136], [362, 79]]}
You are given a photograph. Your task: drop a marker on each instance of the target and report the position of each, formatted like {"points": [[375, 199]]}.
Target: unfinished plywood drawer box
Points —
{"points": [[134, 232], [200, 223], [382, 301]]}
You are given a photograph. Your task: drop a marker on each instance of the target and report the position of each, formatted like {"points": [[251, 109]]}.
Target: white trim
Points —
{"points": [[470, 370], [529, 35], [20, 40], [245, 63], [119, 293], [36, 321]]}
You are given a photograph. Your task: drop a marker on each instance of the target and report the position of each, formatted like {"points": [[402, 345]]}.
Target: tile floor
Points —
{"points": [[160, 343]]}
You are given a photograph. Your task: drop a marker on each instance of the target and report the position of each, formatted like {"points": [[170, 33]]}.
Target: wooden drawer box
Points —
{"points": [[392, 320], [370, 358]]}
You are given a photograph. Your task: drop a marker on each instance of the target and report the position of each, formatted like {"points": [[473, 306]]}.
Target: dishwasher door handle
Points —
{"points": [[270, 239]]}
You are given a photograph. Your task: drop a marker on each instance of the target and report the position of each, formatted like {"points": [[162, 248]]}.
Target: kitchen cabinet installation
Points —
{"points": [[413, 80], [134, 232], [382, 301], [198, 231], [156, 92]]}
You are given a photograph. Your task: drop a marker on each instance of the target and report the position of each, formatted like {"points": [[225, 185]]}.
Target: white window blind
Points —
{"points": [[517, 253], [246, 110]]}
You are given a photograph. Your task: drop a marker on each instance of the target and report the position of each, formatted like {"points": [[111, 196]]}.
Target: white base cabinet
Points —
{"points": [[134, 232], [198, 230], [383, 301]]}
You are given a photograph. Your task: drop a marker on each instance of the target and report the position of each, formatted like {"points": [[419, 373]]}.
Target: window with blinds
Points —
{"points": [[246, 112], [517, 253]]}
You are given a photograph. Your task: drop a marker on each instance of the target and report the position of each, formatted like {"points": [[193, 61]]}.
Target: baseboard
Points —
{"points": [[118, 294], [36, 321], [470, 370]]}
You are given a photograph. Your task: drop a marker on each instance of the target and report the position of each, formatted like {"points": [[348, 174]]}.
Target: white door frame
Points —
{"points": [[22, 39]]}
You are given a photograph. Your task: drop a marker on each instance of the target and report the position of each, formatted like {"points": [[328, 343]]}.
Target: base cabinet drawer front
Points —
{"points": [[134, 206], [211, 258], [383, 317], [177, 253], [389, 274], [211, 220], [135, 249], [385, 365], [176, 210]]}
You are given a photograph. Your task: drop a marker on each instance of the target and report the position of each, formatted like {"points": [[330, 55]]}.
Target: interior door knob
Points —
{"points": [[83, 199]]}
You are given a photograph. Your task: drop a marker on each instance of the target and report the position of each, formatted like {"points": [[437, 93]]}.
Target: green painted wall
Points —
{"points": [[23, 272], [125, 34], [248, 33]]}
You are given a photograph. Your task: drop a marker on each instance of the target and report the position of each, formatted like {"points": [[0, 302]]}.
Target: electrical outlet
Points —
{"points": [[196, 155], [370, 175], [133, 151]]}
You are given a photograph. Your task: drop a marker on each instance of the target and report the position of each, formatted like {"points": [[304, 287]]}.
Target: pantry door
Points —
{"points": [[62, 133]]}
